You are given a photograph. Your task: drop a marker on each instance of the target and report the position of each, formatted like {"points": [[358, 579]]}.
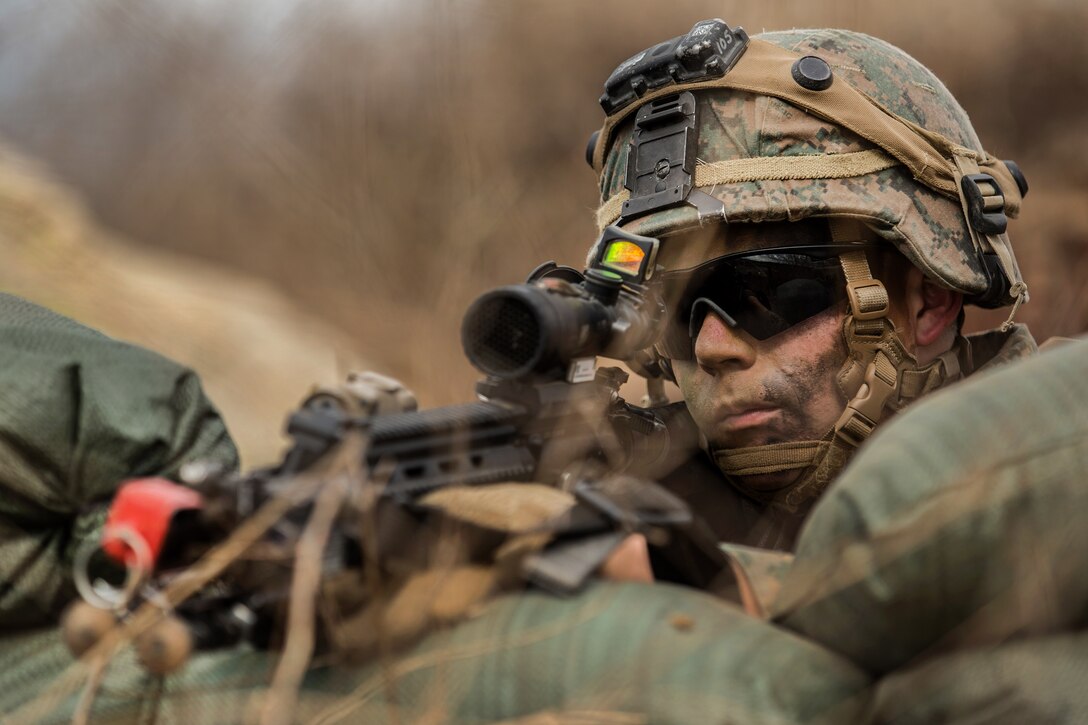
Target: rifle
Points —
{"points": [[544, 414]]}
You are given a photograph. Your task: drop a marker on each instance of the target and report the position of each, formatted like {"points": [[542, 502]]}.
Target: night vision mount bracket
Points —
{"points": [[661, 157], [662, 154]]}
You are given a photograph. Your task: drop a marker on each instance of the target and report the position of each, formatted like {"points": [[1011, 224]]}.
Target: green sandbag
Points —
{"points": [[629, 652], [1031, 681], [960, 524], [760, 572], [79, 413]]}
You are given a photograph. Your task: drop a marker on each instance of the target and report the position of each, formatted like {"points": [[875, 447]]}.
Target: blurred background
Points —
{"points": [[278, 191]]}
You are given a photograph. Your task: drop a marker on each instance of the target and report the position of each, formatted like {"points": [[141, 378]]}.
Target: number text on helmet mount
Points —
{"points": [[709, 50]]}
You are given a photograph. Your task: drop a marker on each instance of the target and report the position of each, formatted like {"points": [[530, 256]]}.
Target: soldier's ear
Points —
{"points": [[935, 310]]}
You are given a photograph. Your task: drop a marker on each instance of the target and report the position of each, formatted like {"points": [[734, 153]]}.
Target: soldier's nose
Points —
{"points": [[718, 345]]}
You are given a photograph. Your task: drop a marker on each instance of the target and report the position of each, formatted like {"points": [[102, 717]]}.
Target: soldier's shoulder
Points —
{"points": [[993, 348]]}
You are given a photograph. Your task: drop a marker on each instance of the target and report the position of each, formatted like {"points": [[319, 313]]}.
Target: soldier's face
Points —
{"points": [[746, 392]]}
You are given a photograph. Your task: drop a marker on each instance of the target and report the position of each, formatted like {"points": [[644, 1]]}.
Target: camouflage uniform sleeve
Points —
{"points": [[79, 413]]}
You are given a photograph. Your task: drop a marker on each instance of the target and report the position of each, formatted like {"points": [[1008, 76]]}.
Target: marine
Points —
{"points": [[824, 211]]}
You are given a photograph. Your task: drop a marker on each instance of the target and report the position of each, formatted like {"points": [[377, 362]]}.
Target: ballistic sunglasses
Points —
{"points": [[763, 292]]}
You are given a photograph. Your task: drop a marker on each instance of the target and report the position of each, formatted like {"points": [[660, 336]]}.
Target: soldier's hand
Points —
{"points": [[629, 562]]}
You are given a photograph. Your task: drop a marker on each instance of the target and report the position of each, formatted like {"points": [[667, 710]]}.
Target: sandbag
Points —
{"points": [[79, 413], [960, 524], [619, 651], [759, 574], [1031, 681]]}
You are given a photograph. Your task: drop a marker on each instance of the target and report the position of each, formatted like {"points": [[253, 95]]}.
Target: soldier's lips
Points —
{"points": [[749, 417]]}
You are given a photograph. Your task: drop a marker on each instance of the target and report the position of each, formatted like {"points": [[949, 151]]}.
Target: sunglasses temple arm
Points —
{"points": [[697, 319]]}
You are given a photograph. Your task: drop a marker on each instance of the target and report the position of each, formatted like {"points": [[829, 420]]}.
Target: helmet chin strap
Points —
{"points": [[879, 377]]}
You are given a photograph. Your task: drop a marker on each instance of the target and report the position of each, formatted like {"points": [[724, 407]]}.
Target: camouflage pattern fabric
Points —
{"points": [[1032, 681], [961, 524], [927, 227], [762, 571], [79, 413], [989, 350], [623, 653]]}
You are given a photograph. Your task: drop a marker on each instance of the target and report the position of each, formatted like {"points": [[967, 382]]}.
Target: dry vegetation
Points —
{"points": [[188, 309], [384, 167]]}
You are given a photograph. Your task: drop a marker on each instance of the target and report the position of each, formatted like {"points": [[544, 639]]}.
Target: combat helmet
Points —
{"points": [[715, 127]]}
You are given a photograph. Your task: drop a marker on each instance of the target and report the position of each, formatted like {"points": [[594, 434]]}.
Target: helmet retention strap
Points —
{"points": [[867, 322], [891, 377]]}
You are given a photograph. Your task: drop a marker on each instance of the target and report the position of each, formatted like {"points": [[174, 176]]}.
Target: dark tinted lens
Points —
{"points": [[777, 291], [764, 294]]}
